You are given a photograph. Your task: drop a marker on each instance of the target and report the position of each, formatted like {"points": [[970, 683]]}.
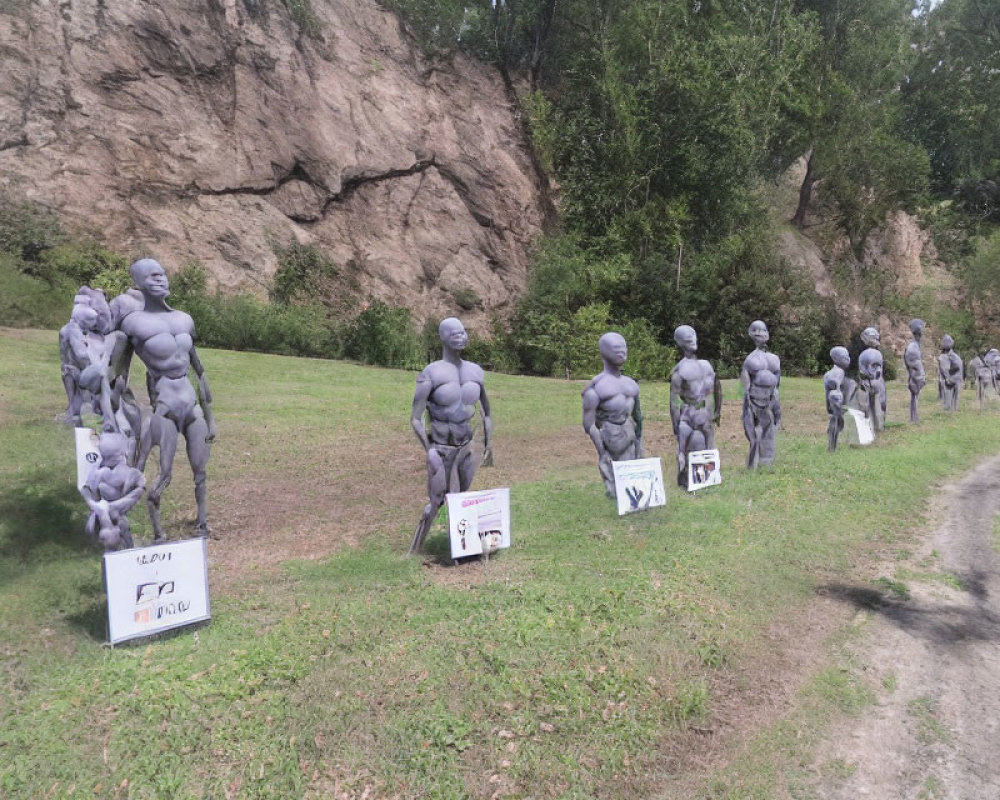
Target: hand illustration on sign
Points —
{"points": [[634, 494]]}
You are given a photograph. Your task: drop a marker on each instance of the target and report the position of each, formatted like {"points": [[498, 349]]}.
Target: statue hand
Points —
{"points": [[213, 431], [487, 457]]}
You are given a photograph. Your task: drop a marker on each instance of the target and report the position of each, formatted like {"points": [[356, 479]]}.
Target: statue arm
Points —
{"points": [[717, 400], [420, 397], [123, 504], [94, 503], [205, 394], [675, 400], [637, 417], [484, 403], [590, 404]]}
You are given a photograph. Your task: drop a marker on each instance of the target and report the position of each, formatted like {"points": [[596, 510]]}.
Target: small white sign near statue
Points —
{"points": [[704, 469], [156, 588], [87, 454], [861, 431], [639, 484], [478, 522]]}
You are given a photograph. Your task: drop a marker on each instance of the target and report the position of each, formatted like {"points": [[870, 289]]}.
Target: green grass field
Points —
{"points": [[598, 657]]}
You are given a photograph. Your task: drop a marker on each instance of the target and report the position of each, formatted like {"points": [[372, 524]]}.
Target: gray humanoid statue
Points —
{"points": [[84, 355], [695, 401], [111, 490], [982, 375], [916, 377], [760, 377], [950, 374], [612, 417], [163, 338], [448, 390], [840, 394], [992, 359], [870, 370]]}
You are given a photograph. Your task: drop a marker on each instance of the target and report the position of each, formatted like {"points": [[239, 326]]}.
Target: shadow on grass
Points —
{"points": [[92, 617], [940, 623], [40, 512]]}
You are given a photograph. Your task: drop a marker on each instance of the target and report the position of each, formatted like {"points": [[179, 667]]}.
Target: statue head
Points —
{"points": [[452, 333], [614, 350], [870, 337], [112, 448], [841, 357], [759, 333], [150, 277], [947, 343], [917, 327], [687, 339], [84, 315]]}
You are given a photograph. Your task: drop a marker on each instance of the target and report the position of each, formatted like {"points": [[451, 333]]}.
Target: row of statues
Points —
{"points": [[96, 350]]}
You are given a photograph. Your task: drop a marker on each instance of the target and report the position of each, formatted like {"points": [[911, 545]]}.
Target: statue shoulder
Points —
{"points": [[471, 371]]}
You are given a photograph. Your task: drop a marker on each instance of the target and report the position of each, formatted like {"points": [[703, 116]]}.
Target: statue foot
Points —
{"points": [[159, 537], [201, 530]]}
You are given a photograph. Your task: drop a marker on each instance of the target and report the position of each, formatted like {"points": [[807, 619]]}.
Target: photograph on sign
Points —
{"points": [[704, 469], [861, 432], [639, 484], [87, 454], [156, 588], [478, 522]]}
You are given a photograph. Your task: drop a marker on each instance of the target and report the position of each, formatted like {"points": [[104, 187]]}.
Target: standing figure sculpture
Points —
{"points": [[950, 374], [612, 417], [982, 377], [163, 338], [840, 391], [870, 371], [992, 359], [916, 376], [84, 356], [111, 490], [695, 401], [448, 390], [760, 377]]}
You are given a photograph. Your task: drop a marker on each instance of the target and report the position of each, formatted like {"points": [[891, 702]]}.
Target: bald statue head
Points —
{"points": [[841, 357], [452, 333], [613, 348], [759, 333], [870, 337], [947, 343], [686, 339], [150, 277], [917, 327], [112, 447]]}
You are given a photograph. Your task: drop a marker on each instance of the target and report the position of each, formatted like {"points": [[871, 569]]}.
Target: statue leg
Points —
{"points": [[437, 486], [197, 452], [74, 401], [684, 432], [768, 439], [750, 429], [164, 433], [914, 413]]}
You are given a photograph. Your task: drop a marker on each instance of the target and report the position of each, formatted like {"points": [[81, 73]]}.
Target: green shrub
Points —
{"points": [[384, 335], [27, 229], [304, 272]]}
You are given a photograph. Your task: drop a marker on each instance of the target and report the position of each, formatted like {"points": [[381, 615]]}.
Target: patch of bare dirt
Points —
{"points": [[934, 658]]}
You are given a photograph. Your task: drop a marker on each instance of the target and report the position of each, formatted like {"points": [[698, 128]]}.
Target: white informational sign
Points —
{"points": [[87, 454], [156, 588], [704, 469], [861, 432], [639, 484], [478, 522]]}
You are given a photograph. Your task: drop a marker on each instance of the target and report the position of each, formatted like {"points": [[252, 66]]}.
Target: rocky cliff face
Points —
{"points": [[216, 130]]}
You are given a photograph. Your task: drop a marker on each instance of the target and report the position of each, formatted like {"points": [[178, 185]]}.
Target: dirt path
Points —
{"points": [[933, 653]]}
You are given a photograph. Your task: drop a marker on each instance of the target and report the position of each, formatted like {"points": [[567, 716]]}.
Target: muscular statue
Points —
{"points": [[870, 372], [950, 374], [992, 359], [448, 390], [840, 391], [84, 356], [163, 338], [695, 401], [760, 377], [111, 490], [916, 377], [612, 417]]}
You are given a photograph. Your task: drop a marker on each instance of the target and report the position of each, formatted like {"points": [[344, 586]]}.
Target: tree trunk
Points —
{"points": [[805, 194]]}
